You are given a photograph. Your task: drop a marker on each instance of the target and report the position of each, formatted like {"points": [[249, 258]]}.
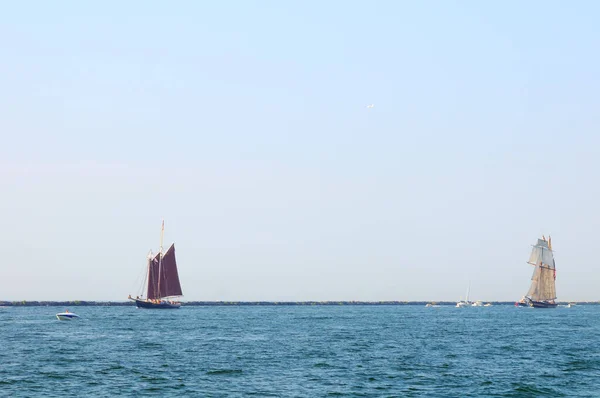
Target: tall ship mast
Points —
{"points": [[162, 284], [542, 291]]}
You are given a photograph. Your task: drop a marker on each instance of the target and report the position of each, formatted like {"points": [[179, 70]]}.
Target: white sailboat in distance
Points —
{"points": [[466, 302]]}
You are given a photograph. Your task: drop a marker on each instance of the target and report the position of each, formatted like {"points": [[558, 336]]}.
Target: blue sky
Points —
{"points": [[244, 125]]}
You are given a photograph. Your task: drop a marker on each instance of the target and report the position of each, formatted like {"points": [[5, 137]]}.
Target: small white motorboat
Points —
{"points": [[66, 316]]}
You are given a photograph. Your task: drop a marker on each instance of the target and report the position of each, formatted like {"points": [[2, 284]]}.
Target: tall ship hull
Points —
{"points": [[163, 305], [542, 304], [162, 280]]}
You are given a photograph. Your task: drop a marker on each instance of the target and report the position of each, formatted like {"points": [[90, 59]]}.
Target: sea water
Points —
{"points": [[301, 351]]}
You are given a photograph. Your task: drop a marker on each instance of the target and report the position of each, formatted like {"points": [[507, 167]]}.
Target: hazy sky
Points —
{"points": [[244, 124]]}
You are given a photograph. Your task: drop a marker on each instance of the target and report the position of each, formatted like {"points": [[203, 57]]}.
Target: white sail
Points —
{"points": [[541, 253], [536, 255], [535, 278], [547, 258]]}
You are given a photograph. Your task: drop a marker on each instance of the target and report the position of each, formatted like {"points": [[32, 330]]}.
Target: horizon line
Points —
{"points": [[33, 303]]}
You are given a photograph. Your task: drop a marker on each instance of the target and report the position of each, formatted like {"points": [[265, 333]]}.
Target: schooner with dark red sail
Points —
{"points": [[162, 287]]}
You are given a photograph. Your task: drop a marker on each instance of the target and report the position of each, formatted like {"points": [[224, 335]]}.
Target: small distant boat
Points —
{"points": [[524, 302], [568, 305], [542, 292], [162, 280], [478, 303], [466, 302], [488, 305], [66, 316], [431, 305]]}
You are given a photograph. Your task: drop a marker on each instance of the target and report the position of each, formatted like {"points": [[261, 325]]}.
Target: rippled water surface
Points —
{"points": [[301, 351]]}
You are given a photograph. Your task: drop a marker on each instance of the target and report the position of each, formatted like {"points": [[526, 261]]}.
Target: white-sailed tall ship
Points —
{"points": [[542, 291]]}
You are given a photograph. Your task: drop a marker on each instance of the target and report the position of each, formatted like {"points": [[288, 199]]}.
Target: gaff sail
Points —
{"points": [[163, 278]]}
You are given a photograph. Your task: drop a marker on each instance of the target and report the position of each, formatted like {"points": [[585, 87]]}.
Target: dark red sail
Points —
{"points": [[169, 277]]}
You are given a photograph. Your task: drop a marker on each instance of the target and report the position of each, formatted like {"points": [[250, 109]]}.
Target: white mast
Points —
{"points": [[162, 232], [468, 291]]}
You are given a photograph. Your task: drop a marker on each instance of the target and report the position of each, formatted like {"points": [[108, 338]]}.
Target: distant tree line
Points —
{"points": [[25, 303]]}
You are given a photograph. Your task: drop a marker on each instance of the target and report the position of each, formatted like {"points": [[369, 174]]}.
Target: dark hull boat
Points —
{"points": [[162, 280], [542, 291], [542, 304], [156, 305]]}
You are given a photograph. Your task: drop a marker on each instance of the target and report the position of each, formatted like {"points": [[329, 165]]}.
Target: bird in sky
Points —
{"points": [[371, 106]]}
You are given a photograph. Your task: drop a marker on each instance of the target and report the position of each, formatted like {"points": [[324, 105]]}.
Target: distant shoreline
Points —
{"points": [[25, 303]]}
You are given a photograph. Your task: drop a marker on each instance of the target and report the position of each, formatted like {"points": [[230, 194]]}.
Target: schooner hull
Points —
{"points": [[159, 306], [542, 304]]}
